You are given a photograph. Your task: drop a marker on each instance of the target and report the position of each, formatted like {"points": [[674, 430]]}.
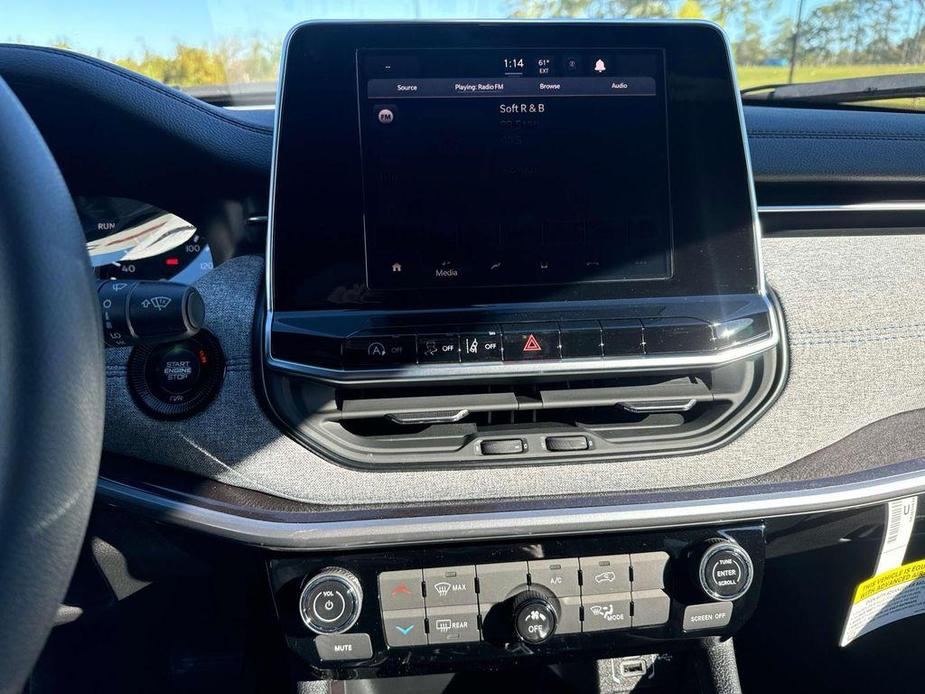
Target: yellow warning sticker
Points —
{"points": [[888, 579], [886, 598]]}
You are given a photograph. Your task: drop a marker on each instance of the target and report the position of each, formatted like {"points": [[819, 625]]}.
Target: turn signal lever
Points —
{"points": [[149, 312]]}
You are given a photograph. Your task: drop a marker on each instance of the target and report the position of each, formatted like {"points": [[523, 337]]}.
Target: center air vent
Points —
{"points": [[549, 420]]}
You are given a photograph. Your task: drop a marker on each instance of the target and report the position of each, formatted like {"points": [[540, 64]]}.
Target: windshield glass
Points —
{"points": [[228, 50]]}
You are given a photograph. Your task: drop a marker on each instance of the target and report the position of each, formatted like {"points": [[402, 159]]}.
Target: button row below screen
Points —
{"points": [[534, 342], [518, 342]]}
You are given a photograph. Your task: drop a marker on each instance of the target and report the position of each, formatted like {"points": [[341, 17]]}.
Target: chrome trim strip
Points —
{"points": [[910, 206], [278, 107], [424, 418], [753, 199], [418, 373], [519, 525], [676, 406]]}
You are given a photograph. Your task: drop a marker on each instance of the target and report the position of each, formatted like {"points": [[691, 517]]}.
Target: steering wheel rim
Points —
{"points": [[53, 379]]}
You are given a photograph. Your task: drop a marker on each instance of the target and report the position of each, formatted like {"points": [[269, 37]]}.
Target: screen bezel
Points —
{"points": [[317, 180]]}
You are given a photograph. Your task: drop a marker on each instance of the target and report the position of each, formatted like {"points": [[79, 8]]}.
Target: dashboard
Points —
{"points": [[492, 265], [469, 352]]}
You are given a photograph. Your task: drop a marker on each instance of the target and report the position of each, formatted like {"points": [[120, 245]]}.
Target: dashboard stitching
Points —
{"points": [[186, 101], [800, 134], [858, 340], [878, 330]]}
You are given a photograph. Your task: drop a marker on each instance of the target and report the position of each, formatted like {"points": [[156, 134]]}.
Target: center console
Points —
{"points": [[498, 244], [502, 242], [434, 609]]}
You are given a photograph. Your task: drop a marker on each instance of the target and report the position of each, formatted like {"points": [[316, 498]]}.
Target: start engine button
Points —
{"points": [[178, 370]]}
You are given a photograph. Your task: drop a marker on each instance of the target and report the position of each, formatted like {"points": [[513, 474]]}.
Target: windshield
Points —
{"points": [[231, 48]]}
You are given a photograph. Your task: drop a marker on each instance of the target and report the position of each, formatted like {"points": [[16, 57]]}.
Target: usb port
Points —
{"points": [[633, 667]]}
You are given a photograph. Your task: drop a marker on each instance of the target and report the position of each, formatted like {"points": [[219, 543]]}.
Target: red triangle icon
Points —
{"points": [[532, 345]]}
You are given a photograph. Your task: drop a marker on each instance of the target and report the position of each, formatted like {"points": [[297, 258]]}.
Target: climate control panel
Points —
{"points": [[527, 600], [419, 610]]}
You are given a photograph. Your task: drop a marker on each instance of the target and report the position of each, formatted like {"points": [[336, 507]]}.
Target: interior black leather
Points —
{"points": [[229, 152], [52, 375], [141, 121], [789, 145]]}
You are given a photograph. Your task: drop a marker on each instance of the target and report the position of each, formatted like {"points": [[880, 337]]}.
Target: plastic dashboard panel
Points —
{"points": [[851, 306]]}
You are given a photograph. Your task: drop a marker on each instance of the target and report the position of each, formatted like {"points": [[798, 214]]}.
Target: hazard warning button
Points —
{"points": [[531, 341]]}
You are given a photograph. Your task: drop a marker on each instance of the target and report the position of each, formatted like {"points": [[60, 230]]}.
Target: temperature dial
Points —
{"points": [[536, 615]]}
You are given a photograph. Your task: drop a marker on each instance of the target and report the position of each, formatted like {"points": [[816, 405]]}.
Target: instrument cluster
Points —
{"points": [[130, 239]]}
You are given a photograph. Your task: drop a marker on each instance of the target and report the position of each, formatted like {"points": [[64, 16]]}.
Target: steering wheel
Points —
{"points": [[52, 391]]}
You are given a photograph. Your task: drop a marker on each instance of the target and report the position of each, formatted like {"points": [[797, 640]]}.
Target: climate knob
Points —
{"points": [[725, 570], [330, 601], [536, 615]]}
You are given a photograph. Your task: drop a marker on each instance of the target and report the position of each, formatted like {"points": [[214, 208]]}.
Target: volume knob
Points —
{"points": [[330, 601]]}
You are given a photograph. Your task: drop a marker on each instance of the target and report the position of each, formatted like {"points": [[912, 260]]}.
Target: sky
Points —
{"points": [[123, 27]]}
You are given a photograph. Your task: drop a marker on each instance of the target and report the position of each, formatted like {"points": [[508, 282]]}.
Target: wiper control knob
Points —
{"points": [[144, 312]]}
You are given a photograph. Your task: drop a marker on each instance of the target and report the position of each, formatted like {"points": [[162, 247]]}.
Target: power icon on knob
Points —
{"points": [[330, 602]]}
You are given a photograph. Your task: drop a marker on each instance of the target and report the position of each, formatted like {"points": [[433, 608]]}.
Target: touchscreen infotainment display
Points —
{"points": [[513, 167], [458, 166]]}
